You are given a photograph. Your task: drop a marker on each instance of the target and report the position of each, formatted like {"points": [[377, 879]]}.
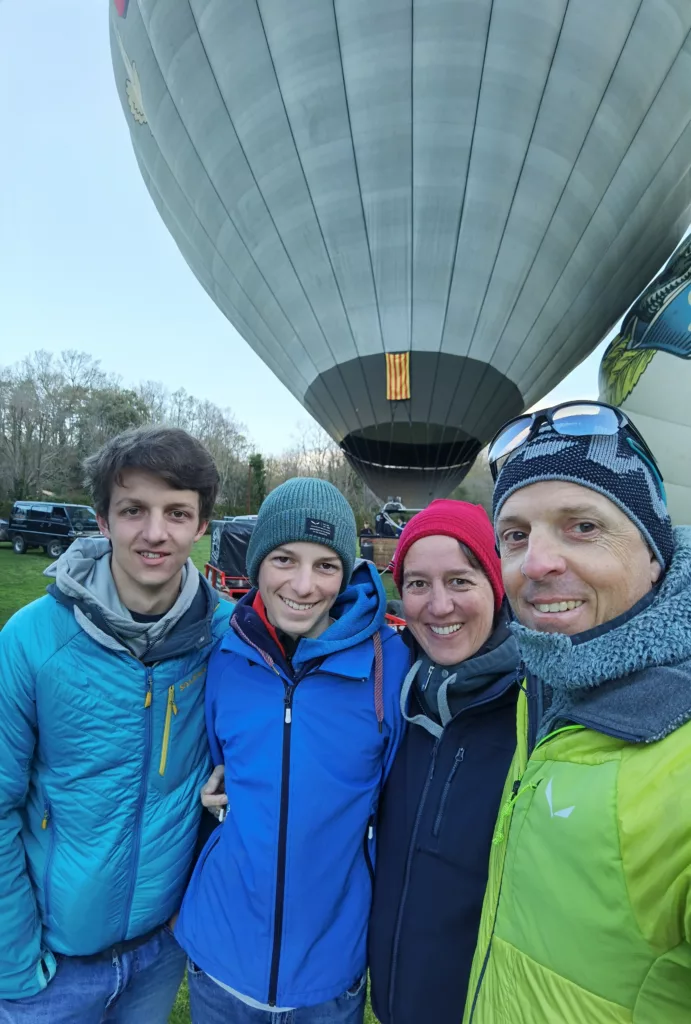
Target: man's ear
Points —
{"points": [[655, 569], [201, 530], [103, 526]]}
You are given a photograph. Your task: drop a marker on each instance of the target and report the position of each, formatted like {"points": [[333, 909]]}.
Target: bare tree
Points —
{"points": [[55, 411]]}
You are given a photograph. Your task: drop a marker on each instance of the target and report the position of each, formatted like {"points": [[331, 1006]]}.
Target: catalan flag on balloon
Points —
{"points": [[397, 376]]}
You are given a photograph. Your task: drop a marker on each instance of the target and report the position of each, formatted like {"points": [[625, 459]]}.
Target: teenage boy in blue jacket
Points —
{"points": [[303, 711], [103, 746]]}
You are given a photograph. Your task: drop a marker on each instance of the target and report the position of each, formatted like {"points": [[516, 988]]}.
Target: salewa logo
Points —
{"points": [[188, 682], [565, 813]]}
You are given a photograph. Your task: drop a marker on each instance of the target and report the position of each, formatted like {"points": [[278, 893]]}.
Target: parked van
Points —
{"points": [[49, 525]]}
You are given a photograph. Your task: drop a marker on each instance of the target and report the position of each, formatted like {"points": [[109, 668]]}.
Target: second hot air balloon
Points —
{"points": [[647, 371]]}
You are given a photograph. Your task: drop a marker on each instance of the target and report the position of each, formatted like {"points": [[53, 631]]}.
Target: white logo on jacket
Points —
{"points": [[556, 814]]}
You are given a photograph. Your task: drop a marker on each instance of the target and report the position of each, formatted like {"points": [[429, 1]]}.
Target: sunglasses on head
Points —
{"points": [[570, 419]]}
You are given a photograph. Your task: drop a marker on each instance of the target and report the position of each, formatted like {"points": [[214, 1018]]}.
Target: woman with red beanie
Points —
{"points": [[440, 804]]}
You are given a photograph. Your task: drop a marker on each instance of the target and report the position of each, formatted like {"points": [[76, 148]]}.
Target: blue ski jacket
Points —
{"points": [[278, 904], [102, 756]]}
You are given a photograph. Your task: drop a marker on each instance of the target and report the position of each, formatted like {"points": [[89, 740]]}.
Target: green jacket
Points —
{"points": [[587, 916]]}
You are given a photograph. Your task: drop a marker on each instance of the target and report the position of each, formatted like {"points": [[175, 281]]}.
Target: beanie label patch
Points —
{"points": [[320, 529]]}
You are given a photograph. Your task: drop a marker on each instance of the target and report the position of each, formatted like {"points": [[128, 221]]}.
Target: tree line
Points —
{"points": [[56, 410]]}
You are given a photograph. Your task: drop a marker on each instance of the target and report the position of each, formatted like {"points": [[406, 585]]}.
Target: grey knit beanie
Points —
{"points": [[609, 464], [304, 509]]}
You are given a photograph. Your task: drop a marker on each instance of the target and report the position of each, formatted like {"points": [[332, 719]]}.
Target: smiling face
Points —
{"points": [[152, 528], [447, 601], [571, 560], [299, 583]]}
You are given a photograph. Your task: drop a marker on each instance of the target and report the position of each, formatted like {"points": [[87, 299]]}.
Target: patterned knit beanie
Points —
{"points": [[304, 509], [466, 523], [610, 464]]}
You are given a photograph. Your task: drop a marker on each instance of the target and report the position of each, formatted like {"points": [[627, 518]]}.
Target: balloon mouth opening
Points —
{"points": [[412, 470], [384, 449]]}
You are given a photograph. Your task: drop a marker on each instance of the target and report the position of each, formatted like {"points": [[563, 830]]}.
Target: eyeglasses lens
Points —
{"points": [[583, 420], [511, 438]]}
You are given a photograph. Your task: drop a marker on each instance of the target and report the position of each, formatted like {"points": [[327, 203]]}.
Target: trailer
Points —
{"points": [[225, 570]]}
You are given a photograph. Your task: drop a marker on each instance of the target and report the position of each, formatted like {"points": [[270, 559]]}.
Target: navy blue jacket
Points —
{"points": [[437, 818]]}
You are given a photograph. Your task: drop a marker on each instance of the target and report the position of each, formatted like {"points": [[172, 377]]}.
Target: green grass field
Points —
{"points": [[21, 581]]}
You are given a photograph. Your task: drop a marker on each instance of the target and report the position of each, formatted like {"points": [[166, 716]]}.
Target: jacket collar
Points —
{"points": [[193, 631], [446, 691], [358, 613], [348, 663], [630, 678]]}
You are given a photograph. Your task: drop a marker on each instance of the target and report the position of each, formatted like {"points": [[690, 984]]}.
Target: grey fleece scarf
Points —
{"points": [[630, 678], [83, 574]]}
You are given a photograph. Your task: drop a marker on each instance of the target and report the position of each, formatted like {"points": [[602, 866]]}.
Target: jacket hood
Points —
{"points": [[631, 677], [358, 613], [84, 582]]}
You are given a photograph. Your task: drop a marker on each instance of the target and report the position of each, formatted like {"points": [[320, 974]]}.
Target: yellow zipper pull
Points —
{"points": [[147, 700], [44, 823], [149, 695], [171, 710]]}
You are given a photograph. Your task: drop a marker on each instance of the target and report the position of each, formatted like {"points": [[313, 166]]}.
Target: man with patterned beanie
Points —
{"points": [[587, 915], [302, 710], [461, 699]]}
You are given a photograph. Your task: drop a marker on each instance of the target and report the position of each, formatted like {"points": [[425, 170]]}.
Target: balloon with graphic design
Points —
{"points": [[647, 371], [421, 216]]}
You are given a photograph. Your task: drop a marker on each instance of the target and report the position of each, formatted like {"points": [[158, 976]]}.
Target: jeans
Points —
{"points": [[211, 1004], [138, 987]]}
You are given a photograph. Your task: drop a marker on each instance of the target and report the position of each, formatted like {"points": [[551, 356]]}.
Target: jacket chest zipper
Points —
{"points": [[436, 828], [501, 836], [171, 709], [282, 842], [141, 799], [406, 878]]}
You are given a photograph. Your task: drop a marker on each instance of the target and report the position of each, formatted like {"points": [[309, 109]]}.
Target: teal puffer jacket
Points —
{"points": [[101, 761]]}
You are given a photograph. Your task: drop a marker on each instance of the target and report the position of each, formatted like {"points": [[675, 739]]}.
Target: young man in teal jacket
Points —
{"points": [[103, 746], [303, 711]]}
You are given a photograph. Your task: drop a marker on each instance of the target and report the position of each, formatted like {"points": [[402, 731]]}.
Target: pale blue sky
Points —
{"points": [[85, 261]]}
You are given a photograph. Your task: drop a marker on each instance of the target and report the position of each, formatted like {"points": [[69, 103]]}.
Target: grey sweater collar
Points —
{"points": [[83, 574]]}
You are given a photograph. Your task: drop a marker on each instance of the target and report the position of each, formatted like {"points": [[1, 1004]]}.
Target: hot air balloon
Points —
{"points": [[647, 371], [421, 215]]}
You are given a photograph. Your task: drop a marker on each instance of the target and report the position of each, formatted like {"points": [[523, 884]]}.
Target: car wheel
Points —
{"points": [[54, 549], [19, 545]]}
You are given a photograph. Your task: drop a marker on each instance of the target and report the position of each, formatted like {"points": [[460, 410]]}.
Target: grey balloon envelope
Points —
{"points": [[484, 186]]}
